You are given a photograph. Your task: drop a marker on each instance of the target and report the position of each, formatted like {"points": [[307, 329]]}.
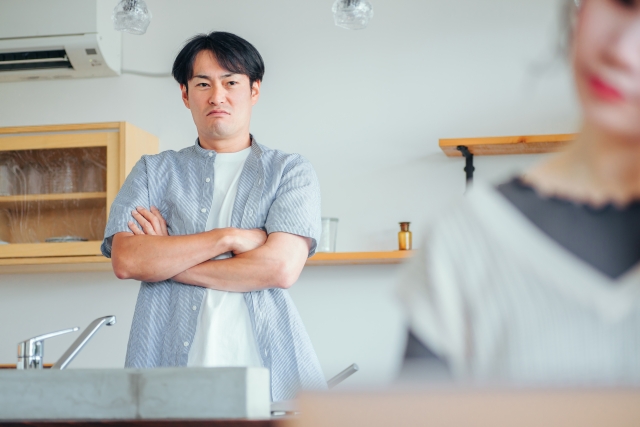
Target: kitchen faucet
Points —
{"points": [[31, 351]]}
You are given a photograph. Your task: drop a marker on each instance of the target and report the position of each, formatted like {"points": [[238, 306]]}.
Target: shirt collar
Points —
{"points": [[255, 148]]}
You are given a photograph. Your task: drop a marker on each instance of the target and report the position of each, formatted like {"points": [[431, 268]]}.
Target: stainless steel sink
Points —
{"points": [[109, 394]]}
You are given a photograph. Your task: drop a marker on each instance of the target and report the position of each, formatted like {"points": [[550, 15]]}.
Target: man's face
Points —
{"points": [[220, 101]]}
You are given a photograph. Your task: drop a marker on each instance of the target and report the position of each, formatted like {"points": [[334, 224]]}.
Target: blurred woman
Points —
{"points": [[538, 280]]}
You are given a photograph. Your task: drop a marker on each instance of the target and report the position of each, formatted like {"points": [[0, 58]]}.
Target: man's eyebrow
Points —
{"points": [[206, 77]]}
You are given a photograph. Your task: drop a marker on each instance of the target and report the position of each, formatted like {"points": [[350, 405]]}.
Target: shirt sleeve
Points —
{"points": [[432, 300], [134, 193], [296, 208]]}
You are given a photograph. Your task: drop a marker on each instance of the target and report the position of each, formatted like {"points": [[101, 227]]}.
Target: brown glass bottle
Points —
{"points": [[404, 237]]}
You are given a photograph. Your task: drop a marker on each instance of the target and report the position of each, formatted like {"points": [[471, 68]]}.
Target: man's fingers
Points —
{"points": [[148, 215], [151, 221], [163, 223], [146, 226], [151, 218], [135, 229], [157, 214]]}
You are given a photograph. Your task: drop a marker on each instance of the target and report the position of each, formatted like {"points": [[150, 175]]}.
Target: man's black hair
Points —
{"points": [[233, 53]]}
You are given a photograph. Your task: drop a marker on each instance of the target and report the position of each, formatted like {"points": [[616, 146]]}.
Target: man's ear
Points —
{"points": [[255, 92], [185, 95]]}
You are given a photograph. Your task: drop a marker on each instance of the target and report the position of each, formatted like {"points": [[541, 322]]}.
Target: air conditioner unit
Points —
{"points": [[58, 39]]}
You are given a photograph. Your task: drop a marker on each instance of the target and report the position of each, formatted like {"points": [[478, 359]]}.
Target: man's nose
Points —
{"points": [[217, 95]]}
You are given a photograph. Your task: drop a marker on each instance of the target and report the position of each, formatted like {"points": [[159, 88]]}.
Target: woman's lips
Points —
{"points": [[604, 91]]}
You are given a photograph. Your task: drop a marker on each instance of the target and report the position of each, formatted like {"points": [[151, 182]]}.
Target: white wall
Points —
{"points": [[366, 107]]}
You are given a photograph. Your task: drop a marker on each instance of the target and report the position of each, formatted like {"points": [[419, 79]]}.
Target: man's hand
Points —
{"points": [[152, 222], [149, 254], [247, 240]]}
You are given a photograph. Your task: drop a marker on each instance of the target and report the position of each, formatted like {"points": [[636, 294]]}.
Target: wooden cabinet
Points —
{"points": [[57, 184]]}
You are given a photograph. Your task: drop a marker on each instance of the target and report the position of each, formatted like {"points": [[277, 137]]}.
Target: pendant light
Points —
{"points": [[131, 16], [352, 14]]}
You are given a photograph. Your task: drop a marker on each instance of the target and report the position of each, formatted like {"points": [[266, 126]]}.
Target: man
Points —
{"points": [[198, 305]]}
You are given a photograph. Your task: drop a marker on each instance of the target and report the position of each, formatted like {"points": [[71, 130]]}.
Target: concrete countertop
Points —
{"points": [[107, 395]]}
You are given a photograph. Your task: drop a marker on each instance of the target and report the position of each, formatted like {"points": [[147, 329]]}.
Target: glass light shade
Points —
{"points": [[131, 16], [352, 14]]}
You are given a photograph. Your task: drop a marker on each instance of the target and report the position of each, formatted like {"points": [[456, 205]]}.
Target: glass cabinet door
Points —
{"points": [[53, 195]]}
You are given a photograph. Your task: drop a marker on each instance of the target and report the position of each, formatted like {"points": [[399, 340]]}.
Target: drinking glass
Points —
{"points": [[329, 233], [92, 177], [65, 176], [35, 180], [6, 178], [12, 180]]}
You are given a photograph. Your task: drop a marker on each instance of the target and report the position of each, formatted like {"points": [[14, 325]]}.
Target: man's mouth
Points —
{"points": [[218, 113]]}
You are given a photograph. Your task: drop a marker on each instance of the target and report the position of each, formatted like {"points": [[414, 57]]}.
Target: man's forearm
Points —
{"points": [[233, 275], [157, 258], [277, 264]]}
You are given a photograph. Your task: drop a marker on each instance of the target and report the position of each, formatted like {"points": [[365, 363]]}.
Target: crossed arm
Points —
{"points": [[261, 262]]}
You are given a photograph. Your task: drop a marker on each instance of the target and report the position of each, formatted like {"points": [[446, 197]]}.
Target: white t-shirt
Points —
{"points": [[224, 334]]}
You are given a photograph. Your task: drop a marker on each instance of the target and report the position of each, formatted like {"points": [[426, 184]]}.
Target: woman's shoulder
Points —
{"points": [[467, 214]]}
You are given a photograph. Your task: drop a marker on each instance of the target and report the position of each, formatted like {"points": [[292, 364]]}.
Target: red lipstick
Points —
{"points": [[603, 91]]}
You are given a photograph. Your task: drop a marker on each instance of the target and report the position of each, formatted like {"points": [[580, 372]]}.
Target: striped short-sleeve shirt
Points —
{"points": [[277, 192]]}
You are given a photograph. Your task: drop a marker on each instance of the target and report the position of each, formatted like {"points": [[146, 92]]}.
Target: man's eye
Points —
{"points": [[233, 83]]}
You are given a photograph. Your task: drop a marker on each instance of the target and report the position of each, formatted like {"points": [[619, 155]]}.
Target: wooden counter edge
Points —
{"points": [[144, 423]]}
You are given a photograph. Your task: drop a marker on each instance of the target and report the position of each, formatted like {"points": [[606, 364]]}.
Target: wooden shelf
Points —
{"points": [[18, 252], [13, 365], [532, 144], [99, 263], [358, 258], [51, 199], [69, 264]]}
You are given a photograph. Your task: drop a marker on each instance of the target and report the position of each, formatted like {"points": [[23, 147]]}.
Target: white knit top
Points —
{"points": [[501, 301]]}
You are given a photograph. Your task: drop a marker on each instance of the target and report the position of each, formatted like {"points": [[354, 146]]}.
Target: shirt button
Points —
{"points": [[203, 210], [186, 343], [250, 211], [194, 308], [208, 179], [259, 181], [210, 154]]}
